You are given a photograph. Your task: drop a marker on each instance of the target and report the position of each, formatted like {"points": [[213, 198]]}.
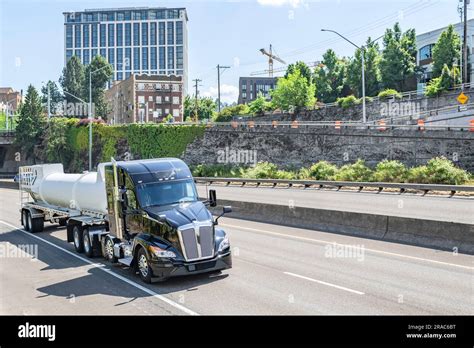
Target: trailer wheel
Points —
{"points": [[87, 243], [77, 236], [143, 266], [37, 225], [62, 222], [25, 220], [109, 250]]}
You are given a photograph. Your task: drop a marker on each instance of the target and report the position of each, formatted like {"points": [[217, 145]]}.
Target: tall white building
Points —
{"points": [[426, 41], [143, 40]]}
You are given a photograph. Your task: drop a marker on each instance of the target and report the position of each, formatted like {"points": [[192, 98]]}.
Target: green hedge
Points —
{"points": [[67, 141], [437, 171]]}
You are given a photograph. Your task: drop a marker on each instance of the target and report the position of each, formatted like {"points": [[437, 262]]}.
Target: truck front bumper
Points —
{"points": [[165, 270]]}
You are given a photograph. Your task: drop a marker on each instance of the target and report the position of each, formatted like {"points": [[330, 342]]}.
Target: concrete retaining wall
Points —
{"points": [[426, 233]]}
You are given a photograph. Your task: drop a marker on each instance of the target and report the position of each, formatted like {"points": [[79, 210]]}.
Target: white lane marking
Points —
{"points": [[366, 249], [102, 267], [325, 283]]}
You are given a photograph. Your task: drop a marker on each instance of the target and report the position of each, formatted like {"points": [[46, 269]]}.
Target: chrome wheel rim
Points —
{"points": [[109, 249], [30, 222], [86, 243], [143, 265], [76, 237]]}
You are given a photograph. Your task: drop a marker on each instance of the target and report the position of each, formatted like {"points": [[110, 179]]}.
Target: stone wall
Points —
{"points": [[288, 147]]}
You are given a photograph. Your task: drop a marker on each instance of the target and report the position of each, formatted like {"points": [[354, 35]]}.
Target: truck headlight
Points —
{"points": [[224, 244], [158, 252]]}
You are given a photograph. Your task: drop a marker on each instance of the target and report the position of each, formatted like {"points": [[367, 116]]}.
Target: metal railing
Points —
{"points": [[304, 184]]}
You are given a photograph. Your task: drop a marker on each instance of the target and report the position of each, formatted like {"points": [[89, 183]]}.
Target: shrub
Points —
{"points": [[229, 112], [285, 175], [357, 171], [390, 171], [262, 170], [418, 175], [216, 170], [389, 93], [322, 170], [347, 102], [443, 171]]}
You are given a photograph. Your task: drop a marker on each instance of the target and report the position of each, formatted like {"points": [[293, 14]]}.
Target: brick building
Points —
{"points": [[10, 98], [145, 98]]}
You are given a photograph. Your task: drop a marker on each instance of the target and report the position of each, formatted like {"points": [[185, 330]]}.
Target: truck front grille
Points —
{"points": [[197, 241]]}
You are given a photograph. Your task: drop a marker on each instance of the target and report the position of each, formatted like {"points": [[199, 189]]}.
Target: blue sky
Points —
{"points": [[220, 32]]}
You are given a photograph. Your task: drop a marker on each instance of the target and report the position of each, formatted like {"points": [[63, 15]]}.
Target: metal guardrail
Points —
{"points": [[380, 186]]}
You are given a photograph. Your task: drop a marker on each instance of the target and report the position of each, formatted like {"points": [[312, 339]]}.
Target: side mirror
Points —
{"points": [[212, 198], [225, 210]]}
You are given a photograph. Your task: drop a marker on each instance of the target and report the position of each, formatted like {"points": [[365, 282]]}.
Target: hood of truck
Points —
{"points": [[180, 214]]}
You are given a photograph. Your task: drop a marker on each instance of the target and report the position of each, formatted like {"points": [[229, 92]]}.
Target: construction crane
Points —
{"points": [[283, 69], [271, 58]]}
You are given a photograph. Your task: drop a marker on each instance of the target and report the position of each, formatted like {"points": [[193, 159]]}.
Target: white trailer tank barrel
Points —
{"points": [[73, 191]]}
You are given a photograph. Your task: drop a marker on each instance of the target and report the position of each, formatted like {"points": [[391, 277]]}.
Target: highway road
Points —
{"points": [[431, 207], [277, 270]]}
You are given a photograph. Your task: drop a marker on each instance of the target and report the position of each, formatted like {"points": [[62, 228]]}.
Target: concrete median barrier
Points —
{"points": [[420, 232]]}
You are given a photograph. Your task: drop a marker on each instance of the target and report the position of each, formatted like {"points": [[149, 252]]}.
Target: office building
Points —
{"points": [[150, 41], [250, 87]]}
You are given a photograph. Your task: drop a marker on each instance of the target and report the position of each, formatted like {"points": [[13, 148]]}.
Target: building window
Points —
{"points": [[128, 34], [144, 34], [68, 55], [170, 57], [161, 36], [244, 94], [94, 35], [103, 52], [136, 34], [77, 41], [119, 34], [85, 37], [158, 99], [145, 58], [85, 57], [136, 59], [153, 58], [119, 76], [120, 61], [160, 14], [77, 53], [170, 33], [152, 33], [128, 59], [94, 53], [102, 35], [179, 57], [167, 112], [162, 59], [425, 52], [69, 31], [120, 16], [111, 56], [111, 35], [179, 33], [176, 100], [175, 112]]}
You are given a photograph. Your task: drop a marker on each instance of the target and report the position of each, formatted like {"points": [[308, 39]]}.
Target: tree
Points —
{"points": [[330, 78], [31, 123], [446, 51], [55, 96], [293, 92], [447, 79], [302, 68], [372, 70], [102, 73], [259, 105], [206, 107], [72, 79], [398, 61]]}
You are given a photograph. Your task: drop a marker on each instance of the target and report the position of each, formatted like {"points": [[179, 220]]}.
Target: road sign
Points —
{"points": [[462, 98]]}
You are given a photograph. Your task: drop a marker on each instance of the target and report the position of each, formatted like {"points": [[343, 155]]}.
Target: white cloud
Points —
{"points": [[229, 93], [279, 3]]}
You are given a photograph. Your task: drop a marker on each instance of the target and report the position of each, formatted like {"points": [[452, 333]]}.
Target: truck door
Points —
{"points": [[132, 214]]}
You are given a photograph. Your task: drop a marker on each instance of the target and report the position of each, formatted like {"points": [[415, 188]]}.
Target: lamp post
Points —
{"points": [[364, 115], [90, 114]]}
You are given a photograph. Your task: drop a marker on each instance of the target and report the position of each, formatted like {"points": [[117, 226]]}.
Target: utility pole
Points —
{"points": [[49, 102], [466, 2], [461, 51], [196, 86], [219, 67]]}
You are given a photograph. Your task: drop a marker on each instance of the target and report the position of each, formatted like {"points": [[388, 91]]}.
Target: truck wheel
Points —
{"points": [[62, 222], [25, 220], [143, 266], [109, 250], [87, 243], [77, 235], [37, 225]]}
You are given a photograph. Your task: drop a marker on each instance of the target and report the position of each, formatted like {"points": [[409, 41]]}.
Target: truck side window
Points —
{"points": [[131, 199]]}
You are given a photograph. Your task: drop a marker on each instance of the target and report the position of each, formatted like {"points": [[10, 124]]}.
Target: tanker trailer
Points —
{"points": [[144, 214]]}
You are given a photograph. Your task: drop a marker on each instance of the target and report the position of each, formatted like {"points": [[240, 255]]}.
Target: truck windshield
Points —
{"points": [[166, 193]]}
